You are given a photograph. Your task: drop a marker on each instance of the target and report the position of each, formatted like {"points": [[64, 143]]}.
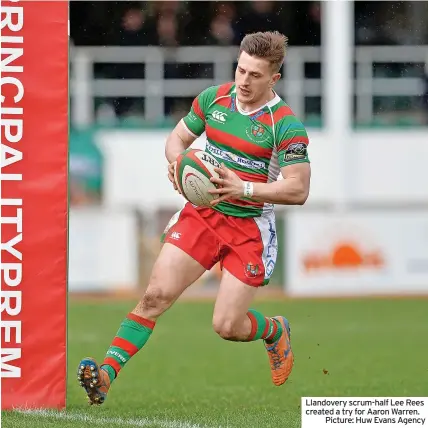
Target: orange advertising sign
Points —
{"points": [[343, 255]]}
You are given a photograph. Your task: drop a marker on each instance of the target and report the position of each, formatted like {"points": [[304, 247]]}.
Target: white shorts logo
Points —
{"points": [[176, 235]]}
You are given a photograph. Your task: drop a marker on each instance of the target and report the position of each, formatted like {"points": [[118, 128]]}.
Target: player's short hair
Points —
{"points": [[269, 45]]}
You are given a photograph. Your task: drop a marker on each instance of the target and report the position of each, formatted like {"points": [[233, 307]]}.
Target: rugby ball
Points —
{"points": [[193, 171]]}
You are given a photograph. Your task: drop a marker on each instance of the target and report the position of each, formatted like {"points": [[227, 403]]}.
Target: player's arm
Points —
{"points": [[178, 141], [295, 168], [292, 148], [189, 128], [292, 190], [186, 131]]}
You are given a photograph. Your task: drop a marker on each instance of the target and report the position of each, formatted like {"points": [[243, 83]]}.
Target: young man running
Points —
{"points": [[255, 136]]}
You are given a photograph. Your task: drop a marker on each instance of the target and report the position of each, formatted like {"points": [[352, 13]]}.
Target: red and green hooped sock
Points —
{"points": [[132, 335], [263, 327]]}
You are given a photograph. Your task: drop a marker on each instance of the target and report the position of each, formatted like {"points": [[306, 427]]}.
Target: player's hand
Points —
{"points": [[171, 171], [230, 186]]}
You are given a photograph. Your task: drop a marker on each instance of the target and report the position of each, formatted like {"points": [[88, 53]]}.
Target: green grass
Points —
{"points": [[186, 373]]}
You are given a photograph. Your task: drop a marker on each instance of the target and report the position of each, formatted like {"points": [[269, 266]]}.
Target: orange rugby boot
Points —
{"points": [[281, 356], [94, 380]]}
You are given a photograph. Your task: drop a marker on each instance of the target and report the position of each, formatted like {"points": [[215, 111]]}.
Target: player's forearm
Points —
{"points": [[290, 191]]}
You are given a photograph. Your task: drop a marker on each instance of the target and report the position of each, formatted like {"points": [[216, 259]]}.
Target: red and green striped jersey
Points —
{"points": [[255, 145]]}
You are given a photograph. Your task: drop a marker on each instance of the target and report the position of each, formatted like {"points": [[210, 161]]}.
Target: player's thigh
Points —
{"points": [[173, 271], [233, 301], [190, 233], [189, 250]]}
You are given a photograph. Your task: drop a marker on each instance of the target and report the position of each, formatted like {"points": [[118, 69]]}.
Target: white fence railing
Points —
{"points": [[294, 86]]}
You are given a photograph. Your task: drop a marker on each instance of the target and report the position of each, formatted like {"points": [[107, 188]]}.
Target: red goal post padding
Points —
{"points": [[34, 203]]}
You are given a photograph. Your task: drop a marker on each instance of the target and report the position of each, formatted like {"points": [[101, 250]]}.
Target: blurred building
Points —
{"points": [[174, 24]]}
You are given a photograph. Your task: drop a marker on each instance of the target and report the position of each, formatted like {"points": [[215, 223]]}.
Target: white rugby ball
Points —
{"points": [[193, 171]]}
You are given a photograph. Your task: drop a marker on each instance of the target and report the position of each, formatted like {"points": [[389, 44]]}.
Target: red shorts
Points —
{"points": [[246, 247]]}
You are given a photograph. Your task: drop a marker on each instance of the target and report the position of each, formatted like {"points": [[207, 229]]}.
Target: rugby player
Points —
{"points": [[255, 136]]}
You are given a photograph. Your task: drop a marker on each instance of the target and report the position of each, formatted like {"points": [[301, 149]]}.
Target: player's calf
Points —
{"points": [[230, 329], [173, 272], [273, 331], [155, 302], [132, 335], [250, 327], [129, 339], [233, 321]]}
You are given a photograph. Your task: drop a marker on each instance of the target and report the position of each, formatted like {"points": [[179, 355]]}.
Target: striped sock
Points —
{"points": [[263, 327], [130, 338]]}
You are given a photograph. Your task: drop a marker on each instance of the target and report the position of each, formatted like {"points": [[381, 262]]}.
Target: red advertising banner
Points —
{"points": [[34, 203]]}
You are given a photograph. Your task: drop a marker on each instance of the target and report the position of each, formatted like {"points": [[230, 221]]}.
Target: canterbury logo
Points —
{"points": [[116, 354], [175, 235], [219, 116]]}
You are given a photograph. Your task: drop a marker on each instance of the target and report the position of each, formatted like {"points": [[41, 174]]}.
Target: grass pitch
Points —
{"points": [[187, 377]]}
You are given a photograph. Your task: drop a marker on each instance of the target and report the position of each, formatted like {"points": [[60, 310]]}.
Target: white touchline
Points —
{"points": [[81, 417]]}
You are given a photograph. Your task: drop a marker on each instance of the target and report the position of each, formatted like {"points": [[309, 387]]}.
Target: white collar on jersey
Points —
{"points": [[275, 100]]}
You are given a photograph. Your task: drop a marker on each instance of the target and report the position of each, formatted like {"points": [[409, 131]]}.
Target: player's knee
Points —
{"points": [[156, 301], [225, 328]]}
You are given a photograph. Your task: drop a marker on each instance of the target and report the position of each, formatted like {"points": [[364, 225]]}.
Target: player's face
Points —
{"points": [[254, 79]]}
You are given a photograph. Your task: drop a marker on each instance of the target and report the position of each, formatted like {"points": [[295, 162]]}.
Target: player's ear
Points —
{"points": [[275, 78]]}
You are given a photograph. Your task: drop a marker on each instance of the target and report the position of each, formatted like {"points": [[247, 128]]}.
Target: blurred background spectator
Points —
{"points": [[179, 23]]}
